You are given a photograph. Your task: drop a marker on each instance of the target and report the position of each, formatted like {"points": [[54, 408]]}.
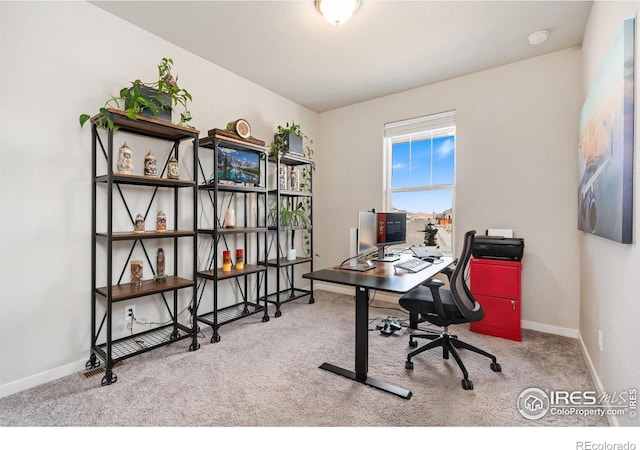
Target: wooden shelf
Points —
{"points": [[236, 230], [292, 159], [210, 142], [128, 235], [149, 287], [231, 188], [248, 269], [145, 180], [282, 262], [146, 126]]}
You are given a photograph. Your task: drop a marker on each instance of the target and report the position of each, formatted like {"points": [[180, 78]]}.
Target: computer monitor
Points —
{"points": [[391, 230], [367, 232]]}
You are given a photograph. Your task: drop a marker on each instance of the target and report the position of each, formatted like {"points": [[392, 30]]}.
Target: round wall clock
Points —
{"points": [[243, 128]]}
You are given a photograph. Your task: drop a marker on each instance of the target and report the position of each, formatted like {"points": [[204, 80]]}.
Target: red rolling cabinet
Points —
{"points": [[495, 284]]}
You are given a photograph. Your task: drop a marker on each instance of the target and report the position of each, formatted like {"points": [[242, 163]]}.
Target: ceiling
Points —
{"points": [[386, 47]]}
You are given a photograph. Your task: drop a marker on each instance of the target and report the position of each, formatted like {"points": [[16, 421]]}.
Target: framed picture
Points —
{"points": [[605, 145], [238, 166]]}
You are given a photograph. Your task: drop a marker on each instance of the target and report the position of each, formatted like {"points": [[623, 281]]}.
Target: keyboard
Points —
{"points": [[412, 265]]}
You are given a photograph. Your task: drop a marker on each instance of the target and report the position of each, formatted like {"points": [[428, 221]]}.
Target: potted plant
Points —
{"points": [[291, 219], [291, 138], [150, 99]]}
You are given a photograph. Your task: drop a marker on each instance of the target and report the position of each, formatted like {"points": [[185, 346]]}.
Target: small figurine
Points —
{"points": [[150, 165], [139, 224], [136, 273], [160, 262], [173, 171], [124, 165], [161, 222]]}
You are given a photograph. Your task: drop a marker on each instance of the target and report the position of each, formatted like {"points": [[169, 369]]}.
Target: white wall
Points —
{"points": [[609, 271], [515, 168], [60, 59]]}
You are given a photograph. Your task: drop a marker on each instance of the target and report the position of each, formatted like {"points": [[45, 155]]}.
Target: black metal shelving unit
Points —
{"points": [[249, 233], [285, 269], [103, 345]]}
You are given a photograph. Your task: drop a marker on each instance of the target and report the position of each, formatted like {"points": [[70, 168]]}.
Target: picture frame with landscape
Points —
{"points": [[238, 166]]}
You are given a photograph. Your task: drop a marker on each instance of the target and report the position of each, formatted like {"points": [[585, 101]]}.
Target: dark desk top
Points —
{"points": [[383, 277]]}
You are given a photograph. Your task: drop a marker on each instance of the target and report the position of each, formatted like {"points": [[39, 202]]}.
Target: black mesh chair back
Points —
{"points": [[468, 306]]}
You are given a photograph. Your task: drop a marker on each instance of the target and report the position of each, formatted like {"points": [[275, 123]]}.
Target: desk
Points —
{"points": [[382, 278]]}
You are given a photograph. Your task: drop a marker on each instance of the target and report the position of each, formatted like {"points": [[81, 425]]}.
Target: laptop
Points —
{"points": [[422, 251]]}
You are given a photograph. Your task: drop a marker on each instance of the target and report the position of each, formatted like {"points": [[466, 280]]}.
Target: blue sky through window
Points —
{"points": [[421, 163]]}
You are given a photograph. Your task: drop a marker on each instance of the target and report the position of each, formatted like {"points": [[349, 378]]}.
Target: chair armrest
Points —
{"points": [[448, 272], [434, 286], [433, 283]]}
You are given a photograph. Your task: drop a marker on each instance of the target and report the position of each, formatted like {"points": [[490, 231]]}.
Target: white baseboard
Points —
{"points": [[551, 329], [391, 298], [613, 420], [41, 378]]}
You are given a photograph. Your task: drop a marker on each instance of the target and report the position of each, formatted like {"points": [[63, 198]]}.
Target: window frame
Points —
{"points": [[411, 130]]}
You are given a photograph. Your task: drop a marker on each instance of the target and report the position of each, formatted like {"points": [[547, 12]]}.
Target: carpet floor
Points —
{"points": [[267, 375]]}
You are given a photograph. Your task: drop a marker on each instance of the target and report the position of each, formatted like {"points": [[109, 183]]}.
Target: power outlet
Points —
{"points": [[600, 339], [128, 311]]}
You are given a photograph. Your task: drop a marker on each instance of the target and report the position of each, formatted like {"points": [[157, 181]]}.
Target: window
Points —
{"points": [[420, 177]]}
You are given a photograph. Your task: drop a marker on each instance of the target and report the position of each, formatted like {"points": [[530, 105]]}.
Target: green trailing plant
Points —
{"points": [[292, 217], [279, 144], [134, 100]]}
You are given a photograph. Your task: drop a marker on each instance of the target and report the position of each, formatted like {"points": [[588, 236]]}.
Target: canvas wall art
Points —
{"points": [[606, 143]]}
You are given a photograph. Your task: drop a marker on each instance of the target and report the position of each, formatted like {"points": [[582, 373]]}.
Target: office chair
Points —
{"points": [[442, 308]]}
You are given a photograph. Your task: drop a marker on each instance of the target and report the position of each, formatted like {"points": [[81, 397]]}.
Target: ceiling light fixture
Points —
{"points": [[337, 12], [538, 37]]}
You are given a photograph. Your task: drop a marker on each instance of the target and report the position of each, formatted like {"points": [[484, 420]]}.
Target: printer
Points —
{"points": [[498, 247]]}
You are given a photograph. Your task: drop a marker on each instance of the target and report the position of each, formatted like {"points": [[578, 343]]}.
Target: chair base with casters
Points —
{"points": [[449, 343]]}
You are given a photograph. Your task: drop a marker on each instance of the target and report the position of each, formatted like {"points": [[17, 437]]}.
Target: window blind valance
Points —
{"points": [[403, 128]]}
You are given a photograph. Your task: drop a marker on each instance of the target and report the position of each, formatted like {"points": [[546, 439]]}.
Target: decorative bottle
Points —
{"points": [[160, 265], [294, 186], [283, 178]]}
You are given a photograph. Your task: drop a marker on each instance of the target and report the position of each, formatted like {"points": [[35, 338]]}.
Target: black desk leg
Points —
{"points": [[362, 333], [362, 350]]}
